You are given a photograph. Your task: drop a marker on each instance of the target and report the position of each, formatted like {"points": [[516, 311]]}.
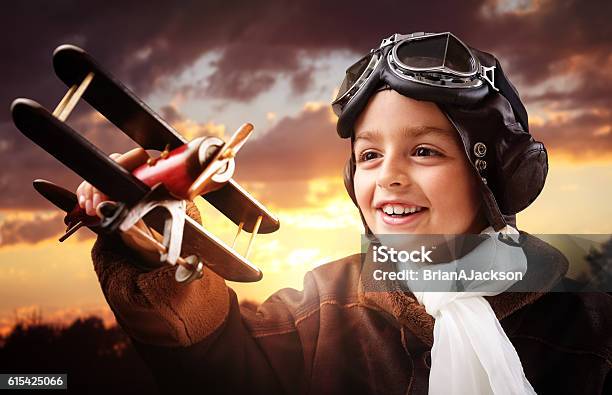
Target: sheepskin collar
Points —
{"points": [[546, 267]]}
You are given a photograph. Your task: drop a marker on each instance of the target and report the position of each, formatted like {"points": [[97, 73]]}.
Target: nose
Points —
{"points": [[394, 173]]}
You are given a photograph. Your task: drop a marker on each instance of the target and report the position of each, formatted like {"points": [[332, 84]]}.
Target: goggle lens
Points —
{"points": [[458, 58], [423, 54], [435, 52]]}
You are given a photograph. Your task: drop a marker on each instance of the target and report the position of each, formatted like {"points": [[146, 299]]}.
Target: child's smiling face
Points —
{"points": [[410, 159]]}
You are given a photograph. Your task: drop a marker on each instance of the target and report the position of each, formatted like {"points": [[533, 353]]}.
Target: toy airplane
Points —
{"points": [[184, 170]]}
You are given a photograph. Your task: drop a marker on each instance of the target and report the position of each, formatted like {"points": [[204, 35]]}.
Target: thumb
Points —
{"points": [[131, 159]]}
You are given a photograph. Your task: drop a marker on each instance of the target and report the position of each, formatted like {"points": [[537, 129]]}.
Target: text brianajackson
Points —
{"points": [[440, 275]]}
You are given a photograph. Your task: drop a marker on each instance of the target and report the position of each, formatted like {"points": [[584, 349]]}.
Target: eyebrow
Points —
{"points": [[416, 131]]}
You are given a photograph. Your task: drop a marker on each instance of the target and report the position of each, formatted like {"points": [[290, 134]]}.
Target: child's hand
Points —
{"points": [[150, 305], [89, 197]]}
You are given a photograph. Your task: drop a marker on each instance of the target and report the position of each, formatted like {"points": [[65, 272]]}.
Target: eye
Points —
{"points": [[425, 151], [368, 155]]}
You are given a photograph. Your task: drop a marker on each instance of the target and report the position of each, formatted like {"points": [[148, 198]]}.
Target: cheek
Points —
{"points": [[453, 195], [364, 185]]}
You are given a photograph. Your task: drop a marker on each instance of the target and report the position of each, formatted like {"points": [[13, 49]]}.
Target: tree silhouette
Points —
{"points": [[98, 360]]}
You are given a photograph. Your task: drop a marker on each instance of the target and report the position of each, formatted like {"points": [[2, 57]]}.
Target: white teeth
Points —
{"points": [[399, 209]]}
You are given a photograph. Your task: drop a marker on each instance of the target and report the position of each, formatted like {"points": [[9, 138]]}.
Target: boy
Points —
{"points": [[440, 146]]}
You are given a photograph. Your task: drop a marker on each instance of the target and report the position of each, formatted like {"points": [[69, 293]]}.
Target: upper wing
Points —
{"points": [[130, 114], [76, 152], [113, 100]]}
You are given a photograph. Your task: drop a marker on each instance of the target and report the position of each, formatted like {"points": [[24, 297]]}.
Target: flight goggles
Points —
{"points": [[435, 67]]}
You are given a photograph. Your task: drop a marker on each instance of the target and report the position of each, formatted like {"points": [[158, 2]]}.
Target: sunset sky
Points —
{"points": [[207, 67]]}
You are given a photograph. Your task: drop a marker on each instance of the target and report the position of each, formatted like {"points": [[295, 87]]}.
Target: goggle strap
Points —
{"points": [[509, 92], [395, 38]]}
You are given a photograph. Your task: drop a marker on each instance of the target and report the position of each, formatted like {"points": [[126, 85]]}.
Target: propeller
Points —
{"points": [[227, 152]]}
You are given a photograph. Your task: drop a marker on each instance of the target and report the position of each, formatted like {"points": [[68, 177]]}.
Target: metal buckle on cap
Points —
{"points": [[483, 72]]}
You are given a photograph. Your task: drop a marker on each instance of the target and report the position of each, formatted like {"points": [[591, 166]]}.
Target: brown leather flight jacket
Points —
{"points": [[336, 336]]}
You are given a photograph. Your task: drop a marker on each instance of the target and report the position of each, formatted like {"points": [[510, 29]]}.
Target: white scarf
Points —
{"points": [[471, 353]]}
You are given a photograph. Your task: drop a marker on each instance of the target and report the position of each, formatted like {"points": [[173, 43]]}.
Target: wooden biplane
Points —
{"points": [[156, 191]]}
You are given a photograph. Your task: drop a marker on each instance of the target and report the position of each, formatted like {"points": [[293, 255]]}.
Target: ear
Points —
{"points": [[524, 171]]}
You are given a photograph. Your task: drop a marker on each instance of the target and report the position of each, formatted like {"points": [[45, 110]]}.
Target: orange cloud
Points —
{"points": [[30, 227], [189, 128], [583, 137]]}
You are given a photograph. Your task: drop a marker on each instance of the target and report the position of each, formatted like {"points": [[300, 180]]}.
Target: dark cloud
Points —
{"points": [[242, 73], [592, 84], [534, 43], [302, 80], [38, 228], [297, 148], [258, 41], [239, 85], [140, 42], [281, 34], [143, 43], [171, 114]]}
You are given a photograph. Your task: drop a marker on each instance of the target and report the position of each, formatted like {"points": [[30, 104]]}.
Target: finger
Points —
{"points": [[80, 195], [89, 190], [97, 199], [89, 208], [133, 158]]}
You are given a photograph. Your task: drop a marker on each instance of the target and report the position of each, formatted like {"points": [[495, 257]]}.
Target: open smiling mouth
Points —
{"points": [[395, 214]]}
